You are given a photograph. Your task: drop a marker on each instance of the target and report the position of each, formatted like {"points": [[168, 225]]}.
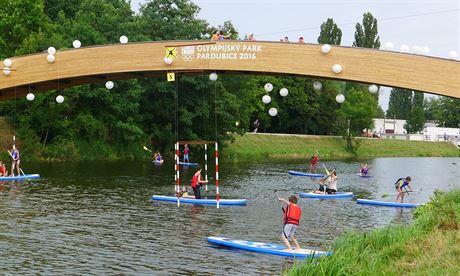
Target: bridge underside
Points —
{"points": [[145, 60]]}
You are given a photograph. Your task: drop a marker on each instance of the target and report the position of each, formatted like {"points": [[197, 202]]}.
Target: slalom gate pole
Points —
{"points": [[206, 165], [217, 175], [177, 174]]}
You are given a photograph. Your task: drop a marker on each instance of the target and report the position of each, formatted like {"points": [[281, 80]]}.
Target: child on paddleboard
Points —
{"points": [[292, 214], [186, 152], [314, 159], [3, 170], [400, 184], [185, 193]]}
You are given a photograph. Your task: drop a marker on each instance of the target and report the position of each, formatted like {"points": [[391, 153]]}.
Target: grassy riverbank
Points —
{"points": [[429, 246], [277, 146]]}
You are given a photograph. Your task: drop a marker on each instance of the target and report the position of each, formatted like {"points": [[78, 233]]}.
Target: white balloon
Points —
{"points": [[388, 46], [373, 88], [213, 76], [6, 71], [425, 49], [59, 99], [51, 58], [168, 60], [340, 98], [317, 85], [326, 48], [51, 50], [7, 62], [30, 97], [284, 92], [268, 87], [273, 111], [76, 44], [337, 68], [453, 54], [123, 39], [109, 85], [266, 99], [405, 48], [416, 49]]}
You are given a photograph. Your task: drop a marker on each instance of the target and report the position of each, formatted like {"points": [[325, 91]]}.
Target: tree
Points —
{"points": [[415, 120], [366, 35], [400, 104], [330, 33]]}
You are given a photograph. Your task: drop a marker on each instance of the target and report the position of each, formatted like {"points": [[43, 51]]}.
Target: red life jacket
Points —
{"points": [[292, 214], [194, 180]]}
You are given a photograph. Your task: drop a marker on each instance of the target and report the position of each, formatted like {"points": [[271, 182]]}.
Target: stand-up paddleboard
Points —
{"points": [[200, 201], [364, 175], [188, 164], [268, 248], [20, 177], [306, 174], [386, 203], [336, 195], [156, 162]]}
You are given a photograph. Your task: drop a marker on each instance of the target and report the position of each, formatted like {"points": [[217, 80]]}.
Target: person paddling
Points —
{"points": [[400, 184], [292, 214], [314, 159], [3, 170], [16, 160], [196, 183], [186, 152], [364, 169], [328, 185]]}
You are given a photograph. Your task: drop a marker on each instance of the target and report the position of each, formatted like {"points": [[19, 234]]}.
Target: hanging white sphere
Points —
{"points": [[425, 49], [337, 68], [273, 111], [30, 97], [213, 76], [237, 123], [388, 46], [76, 44], [405, 48], [109, 85], [50, 58], [59, 99], [453, 54], [373, 88], [51, 50], [168, 60], [266, 99], [284, 92], [123, 39], [7, 62], [340, 98], [268, 87], [6, 71], [326, 48], [416, 49], [317, 85]]}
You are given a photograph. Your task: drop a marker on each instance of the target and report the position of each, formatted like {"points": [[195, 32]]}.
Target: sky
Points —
{"points": [[434, 24]]}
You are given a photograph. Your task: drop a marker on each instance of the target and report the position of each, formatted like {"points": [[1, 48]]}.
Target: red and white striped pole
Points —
{"points": [[177, 175], [217, 175], [206, 165]]}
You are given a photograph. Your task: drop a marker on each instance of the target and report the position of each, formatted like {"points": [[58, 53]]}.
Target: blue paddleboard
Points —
{"points": [[188, 164], [306, 174], [364, 175], [19, 177], [336, 195], [386, 203], [267, 248], [200, 201]]}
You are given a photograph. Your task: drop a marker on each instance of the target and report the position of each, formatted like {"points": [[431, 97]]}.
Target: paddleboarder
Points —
{"points": [[3, 170], [292, 214], [314, 159], [196, 183], [16, 160], [186, 151], [400, 184], [364, 169]]}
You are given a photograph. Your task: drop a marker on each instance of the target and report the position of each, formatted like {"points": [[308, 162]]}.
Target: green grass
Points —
{"points": [[429, 246], [253, 146]]}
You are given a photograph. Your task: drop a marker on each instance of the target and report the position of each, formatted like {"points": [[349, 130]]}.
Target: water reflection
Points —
{"points": [[103, 222]]}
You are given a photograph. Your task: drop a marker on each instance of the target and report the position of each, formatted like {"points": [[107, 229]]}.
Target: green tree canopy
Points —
{"points": [[366, 35], [330, 33]]}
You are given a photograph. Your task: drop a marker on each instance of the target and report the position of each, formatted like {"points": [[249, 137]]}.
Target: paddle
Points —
{"points": [[12, 172], [387, 195], [145, 148]]}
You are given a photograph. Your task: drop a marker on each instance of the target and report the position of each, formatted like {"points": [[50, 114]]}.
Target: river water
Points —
{"points": [[97, 217]]}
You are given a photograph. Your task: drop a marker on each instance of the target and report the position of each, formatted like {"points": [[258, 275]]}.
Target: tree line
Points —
{"points": [[97, 123]]}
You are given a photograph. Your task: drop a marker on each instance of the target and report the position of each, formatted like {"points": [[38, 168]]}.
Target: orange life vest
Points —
{"points": [[292, 214]]}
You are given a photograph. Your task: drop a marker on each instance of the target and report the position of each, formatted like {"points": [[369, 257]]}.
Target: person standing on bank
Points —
{"points": [[196, 183]]}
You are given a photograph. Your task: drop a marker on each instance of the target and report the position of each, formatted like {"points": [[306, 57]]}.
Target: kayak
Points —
{"points": [[200, 201], [188, 164], [336, 195], [386, 203], [306, 174], [364, 175], [19, 177], [267, 248]]}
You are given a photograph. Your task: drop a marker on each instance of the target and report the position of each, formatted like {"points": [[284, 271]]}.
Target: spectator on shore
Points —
{"points": [[219, 36], [251, 37], [286, 39], [301, 40]]}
